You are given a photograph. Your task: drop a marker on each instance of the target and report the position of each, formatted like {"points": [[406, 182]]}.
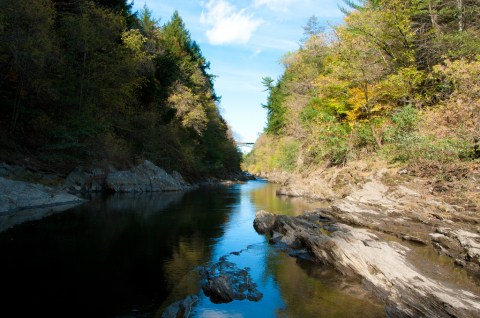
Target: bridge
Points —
{"points": [[245, 144]]}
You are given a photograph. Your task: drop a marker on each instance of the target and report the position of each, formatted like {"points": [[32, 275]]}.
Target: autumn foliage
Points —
{"points": [[397, 79]]}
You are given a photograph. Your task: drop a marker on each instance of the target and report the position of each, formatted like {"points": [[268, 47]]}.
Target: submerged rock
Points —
{"points": [[181, 308], [17, 195], [224, 282]]}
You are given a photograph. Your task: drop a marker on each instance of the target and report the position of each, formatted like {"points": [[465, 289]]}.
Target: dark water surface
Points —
{"points": [[131, 255]]}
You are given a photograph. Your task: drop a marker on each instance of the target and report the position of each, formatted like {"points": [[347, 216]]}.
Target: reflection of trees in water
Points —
{"points": [[198, 226], [113, 253], [267, 199], [316, 291]]}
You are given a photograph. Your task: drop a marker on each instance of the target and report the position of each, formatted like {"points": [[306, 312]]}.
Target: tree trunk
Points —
{"points": [[17, 104], [433, 16], [377, 138], [460, 15], [82, 78]]}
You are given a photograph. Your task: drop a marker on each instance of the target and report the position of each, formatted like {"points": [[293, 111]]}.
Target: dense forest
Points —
{"points": [[397, 80], [87, 81]]}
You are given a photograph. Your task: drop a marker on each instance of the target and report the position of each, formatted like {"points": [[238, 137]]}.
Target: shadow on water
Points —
{"points": [[131, 255]]}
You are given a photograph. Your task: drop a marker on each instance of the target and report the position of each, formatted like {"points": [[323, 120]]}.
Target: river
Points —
{"points": [[132, 255]]}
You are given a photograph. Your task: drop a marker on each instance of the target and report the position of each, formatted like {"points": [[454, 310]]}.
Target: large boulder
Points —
{"points": [[16, 195], [146, 177]]}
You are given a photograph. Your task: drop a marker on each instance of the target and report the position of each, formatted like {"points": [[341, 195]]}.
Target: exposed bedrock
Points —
{"points": [[382, 265]]}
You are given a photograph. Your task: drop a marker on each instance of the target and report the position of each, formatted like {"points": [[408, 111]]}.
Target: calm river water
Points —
{"points": [[132, 255]]}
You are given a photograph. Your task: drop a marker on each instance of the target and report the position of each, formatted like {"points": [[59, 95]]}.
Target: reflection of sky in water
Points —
{"points": [[238, 235], [289, 290]]}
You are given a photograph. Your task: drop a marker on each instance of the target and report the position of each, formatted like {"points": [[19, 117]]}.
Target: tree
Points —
{"points": [[27, 47], [312, 28], [275, 109]]}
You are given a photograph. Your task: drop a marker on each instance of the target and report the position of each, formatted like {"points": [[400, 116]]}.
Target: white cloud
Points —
{"points": [[227, 23]]}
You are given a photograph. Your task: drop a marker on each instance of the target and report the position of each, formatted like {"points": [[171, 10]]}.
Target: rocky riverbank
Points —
{"points": [[27, 193], [383, 265], [413, 236]]}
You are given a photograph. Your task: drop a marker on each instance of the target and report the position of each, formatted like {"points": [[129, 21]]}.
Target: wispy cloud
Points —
{"points": [[274, 5], [227, 24], [256, 52]]}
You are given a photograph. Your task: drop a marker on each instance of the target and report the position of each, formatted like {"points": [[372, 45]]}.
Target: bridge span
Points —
{"points": [[245, 144]]}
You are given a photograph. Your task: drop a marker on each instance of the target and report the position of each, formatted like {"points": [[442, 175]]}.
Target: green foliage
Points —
{"points": [[275, 108], [415, 148], [405, 123], [329, 143], [89, 80], [397, 78], [288, 155], [365, 135]]}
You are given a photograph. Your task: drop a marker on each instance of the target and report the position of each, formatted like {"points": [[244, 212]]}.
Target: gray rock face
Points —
{"points": [[11, 219], [16, 195], [384, 266], [9, 171], [145, 178], [83, 179]]}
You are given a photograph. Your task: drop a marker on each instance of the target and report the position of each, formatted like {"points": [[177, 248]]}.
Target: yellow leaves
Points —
{"points": [[459, 115], [401, 86], [329, 86], [133, 40], [196, 119], [358, 103], [366, 103], [190, 110], [464, 75]]}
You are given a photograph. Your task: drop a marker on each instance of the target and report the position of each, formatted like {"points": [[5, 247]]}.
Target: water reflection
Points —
{"points": [[131, 255], [315, 291], [265, 198]]}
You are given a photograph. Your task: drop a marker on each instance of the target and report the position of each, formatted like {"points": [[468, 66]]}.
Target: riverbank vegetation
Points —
{"points": [[91, 81], [397, 80]]}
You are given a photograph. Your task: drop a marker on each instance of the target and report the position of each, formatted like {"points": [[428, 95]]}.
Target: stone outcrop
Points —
{"points": [[425, 210], [145, 178], [17, 195], [383, 265], [13, 218], [83, 179], [263, 221]]}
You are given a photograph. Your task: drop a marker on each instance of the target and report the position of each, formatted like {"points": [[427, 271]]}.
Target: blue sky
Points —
{"points": [[244, 41]]}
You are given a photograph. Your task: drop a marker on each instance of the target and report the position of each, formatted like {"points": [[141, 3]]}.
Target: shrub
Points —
{"points": [[288, 155]]}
